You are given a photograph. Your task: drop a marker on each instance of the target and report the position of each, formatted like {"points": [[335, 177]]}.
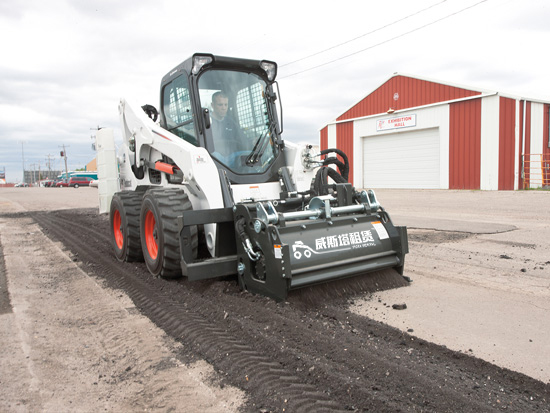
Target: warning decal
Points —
{"points": [[380, 230]]}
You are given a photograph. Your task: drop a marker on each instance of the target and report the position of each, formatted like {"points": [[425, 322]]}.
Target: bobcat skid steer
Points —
{"points": [[210, 189]]}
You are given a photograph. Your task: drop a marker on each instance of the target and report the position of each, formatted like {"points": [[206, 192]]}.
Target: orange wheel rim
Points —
{"points": [[150, 227], [117, 230]]}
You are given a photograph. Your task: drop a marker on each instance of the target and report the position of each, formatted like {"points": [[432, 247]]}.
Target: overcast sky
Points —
{"points": [[64, 64]]}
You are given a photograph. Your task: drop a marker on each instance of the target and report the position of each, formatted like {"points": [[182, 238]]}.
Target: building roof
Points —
{"points": [[404, 91]]}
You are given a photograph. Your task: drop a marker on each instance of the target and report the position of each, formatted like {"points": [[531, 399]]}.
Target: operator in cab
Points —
{"points": [[224, 130]]}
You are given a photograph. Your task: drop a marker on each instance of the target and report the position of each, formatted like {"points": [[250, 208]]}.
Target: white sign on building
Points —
{"points": [[396, 123]]}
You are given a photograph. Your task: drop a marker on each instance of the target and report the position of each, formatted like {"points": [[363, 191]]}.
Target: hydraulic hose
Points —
{"points": [[320, 182], [344, 171], [240, 226]]}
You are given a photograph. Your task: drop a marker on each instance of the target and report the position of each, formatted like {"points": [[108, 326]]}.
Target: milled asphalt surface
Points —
{"points": [[487, 294], [439, 224]]}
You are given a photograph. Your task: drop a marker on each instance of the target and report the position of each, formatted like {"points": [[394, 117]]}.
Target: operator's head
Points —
{"points": [[220, 104]]}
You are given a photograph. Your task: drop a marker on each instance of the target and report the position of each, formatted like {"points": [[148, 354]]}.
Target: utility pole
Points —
{"points": [[64, 155], [32, 165], [23, 158], [48, 158]]}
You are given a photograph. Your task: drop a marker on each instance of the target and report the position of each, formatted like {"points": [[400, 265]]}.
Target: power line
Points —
{"points": [[386, 41], [363, 35]]}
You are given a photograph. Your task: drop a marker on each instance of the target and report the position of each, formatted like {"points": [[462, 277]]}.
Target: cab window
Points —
{"points": [[178, 111], [241, 133]]}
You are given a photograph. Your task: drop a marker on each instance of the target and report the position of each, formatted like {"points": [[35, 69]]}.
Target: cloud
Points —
{"points": [[66, 63]]}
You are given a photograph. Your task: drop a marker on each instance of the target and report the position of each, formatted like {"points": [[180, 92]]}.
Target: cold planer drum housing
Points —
{"points": [[331, 238]]}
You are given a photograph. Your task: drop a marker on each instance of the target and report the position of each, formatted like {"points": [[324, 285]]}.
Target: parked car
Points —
{"points": [[94, 183], [60, 184], [77, 181], [21, 185]]}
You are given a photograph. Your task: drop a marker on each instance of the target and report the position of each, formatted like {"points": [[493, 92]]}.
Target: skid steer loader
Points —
{"points": [[206, 187]]}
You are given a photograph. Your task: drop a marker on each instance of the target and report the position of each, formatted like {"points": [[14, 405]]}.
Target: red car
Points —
{"points": [[77, 181], [61, 184]]}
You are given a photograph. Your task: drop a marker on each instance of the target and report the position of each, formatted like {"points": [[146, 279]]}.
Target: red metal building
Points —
{"points": [[418, 133]]}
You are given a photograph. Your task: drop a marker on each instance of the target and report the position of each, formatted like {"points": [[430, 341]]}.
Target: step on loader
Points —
{"points": [[206, 187]]}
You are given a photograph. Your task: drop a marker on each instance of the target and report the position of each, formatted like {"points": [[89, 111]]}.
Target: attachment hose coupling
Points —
{"points": [[240, 225], [254, 256]]}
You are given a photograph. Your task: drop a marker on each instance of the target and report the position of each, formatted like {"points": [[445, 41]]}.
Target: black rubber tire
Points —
{"points": [[125, 236], [76, 185], [159, 231]]}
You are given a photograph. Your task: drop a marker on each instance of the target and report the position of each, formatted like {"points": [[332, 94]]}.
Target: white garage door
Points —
{"points": [[402, 160]]}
